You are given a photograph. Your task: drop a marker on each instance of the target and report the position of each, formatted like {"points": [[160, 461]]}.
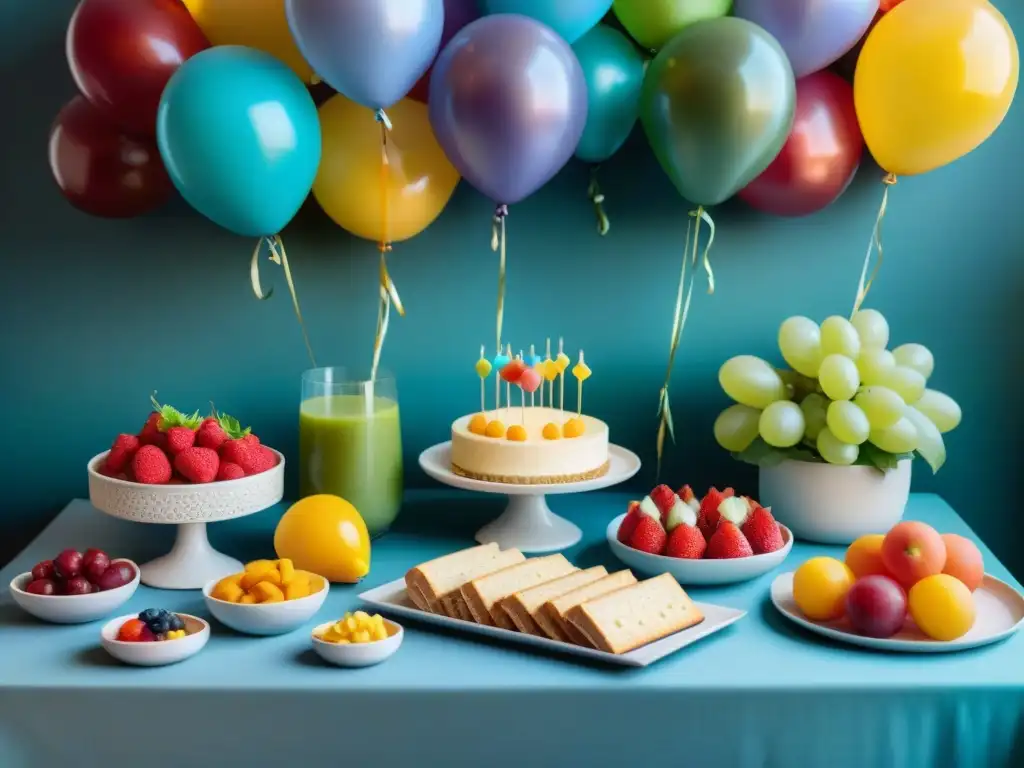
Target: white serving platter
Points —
{"points": [[392, 598], [999, 607]]}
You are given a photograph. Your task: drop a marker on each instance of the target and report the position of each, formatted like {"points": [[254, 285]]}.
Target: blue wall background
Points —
{"points": [[95, 314]]}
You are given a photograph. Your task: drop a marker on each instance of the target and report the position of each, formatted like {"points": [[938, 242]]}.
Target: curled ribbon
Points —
{"points": [[279, 256], [684, 295], [498, 244], [874, 243], [597, 198], [387, 291]]}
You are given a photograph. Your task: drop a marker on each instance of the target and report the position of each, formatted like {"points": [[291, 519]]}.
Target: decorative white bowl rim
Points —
{"points": [[320, 628], [96, 460], [110, 636], [22, 577]]}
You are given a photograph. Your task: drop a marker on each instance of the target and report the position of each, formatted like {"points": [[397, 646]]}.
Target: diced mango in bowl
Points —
{"points": [[358, 627], [266, 581]]}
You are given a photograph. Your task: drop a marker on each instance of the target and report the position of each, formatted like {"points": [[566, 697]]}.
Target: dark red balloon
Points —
{"points": [[123, 52], [457, 14], [101, 170], [820, 156]]}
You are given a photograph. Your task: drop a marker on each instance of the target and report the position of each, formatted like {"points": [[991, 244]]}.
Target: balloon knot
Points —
{"points": [[381, 117], [500, 211], [889, 180], [384, 247]]}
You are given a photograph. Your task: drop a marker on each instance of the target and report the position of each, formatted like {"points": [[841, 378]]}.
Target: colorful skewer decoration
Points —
{"points": [[581, 371], [562, 362], [483, 370], [533, 361], [511, 373], [499, 362], [550, 374]]}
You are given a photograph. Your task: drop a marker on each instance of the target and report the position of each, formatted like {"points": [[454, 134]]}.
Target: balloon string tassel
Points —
{"points": [[388, 292], [874, 244], [597, 198], [498, 244], [684, 296], [279, 256]]}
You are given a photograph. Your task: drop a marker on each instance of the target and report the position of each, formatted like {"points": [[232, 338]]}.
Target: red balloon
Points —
{"points": [[101, 170], [820, 156], [457, 14], [123, 52]]}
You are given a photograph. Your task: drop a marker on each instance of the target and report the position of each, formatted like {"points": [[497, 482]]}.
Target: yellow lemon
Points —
{"points": [[325, 534]]}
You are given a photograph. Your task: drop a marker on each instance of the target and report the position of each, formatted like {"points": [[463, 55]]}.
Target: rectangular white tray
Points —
{"points": [[392, 598]]}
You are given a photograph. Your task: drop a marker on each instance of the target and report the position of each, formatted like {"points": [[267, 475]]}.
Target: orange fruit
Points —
{"points": [[963, 560], [942, 607], [820, 586], [912, 550], [864, 556]]}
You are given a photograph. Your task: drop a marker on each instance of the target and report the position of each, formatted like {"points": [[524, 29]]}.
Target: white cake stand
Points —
{"points": [[192, 561], [527, 523]]}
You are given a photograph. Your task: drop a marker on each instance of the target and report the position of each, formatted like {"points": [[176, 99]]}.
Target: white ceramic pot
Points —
{"points": [[835, 505]]}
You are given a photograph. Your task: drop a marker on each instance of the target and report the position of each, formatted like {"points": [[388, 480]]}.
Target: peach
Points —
{"points": [[963, 560], [864, 556], [913, 550]]}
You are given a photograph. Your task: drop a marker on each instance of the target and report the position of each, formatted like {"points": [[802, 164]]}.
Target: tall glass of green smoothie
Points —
{"points": [[350, 442]]}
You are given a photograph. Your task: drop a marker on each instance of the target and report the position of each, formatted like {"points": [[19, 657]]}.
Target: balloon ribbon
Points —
{"points": [[684, 295], [597, 198], [279, 256], [388, 292], [875, 243], [498, 244]]}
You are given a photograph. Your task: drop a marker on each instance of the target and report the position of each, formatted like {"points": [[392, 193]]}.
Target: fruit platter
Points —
{"points": [[720, 538], [75, 587], [836, 432], [186, 470], [911, 589]]}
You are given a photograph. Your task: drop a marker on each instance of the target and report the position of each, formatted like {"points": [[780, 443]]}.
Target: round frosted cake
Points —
{"points": [[542, 445]]}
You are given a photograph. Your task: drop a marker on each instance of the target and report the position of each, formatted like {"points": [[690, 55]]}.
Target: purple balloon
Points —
{"points": [[813, 33], [508, 103]]}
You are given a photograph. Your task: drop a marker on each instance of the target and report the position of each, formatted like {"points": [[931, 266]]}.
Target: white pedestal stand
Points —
{"points": [[527, 523]]}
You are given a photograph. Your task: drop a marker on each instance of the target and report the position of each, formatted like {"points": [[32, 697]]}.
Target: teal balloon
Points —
{"points": [[613, 68], [569, 18], [717, 107], [240, 137]]}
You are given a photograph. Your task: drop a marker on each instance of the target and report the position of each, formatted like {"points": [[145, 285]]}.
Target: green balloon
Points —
{"points": [[717, 107], [652, 23]]}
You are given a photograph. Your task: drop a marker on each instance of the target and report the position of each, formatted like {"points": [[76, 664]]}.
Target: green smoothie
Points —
{"points": [[351, 449]]}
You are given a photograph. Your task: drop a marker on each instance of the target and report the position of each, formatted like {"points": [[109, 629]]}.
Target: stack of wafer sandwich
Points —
{"points": [[549, 597]]}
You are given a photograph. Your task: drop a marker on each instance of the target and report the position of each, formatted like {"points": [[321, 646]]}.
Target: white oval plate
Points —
{"points": [[698, 572], [1000, 612]]}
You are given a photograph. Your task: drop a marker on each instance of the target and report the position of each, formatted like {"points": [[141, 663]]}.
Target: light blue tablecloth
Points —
{"points": [[760, 694]]}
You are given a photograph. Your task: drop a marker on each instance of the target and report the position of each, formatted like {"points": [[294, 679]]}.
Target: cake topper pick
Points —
{"points": [[483, 370], [562, 361], [510, 373], [582, 372], [534, 361], [500, 361], [550, 374]]}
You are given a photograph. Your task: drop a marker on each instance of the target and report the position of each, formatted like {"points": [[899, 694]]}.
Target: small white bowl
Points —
{"points": [[267, 618], [699, 572], [155, 654], [358, 654], [73, 609]]}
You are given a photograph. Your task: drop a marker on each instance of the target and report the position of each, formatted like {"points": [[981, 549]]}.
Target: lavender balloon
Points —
{"points": [[813, 33], [508, 103], [371, 51]]}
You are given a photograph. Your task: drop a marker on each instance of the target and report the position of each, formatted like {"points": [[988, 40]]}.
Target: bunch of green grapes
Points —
{"points": [[844, 389]]}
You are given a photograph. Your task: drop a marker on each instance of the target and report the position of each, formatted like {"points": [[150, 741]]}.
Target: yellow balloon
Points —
{"points": [[348, 184], [325, 535], [934, 80], [258, 24]]}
